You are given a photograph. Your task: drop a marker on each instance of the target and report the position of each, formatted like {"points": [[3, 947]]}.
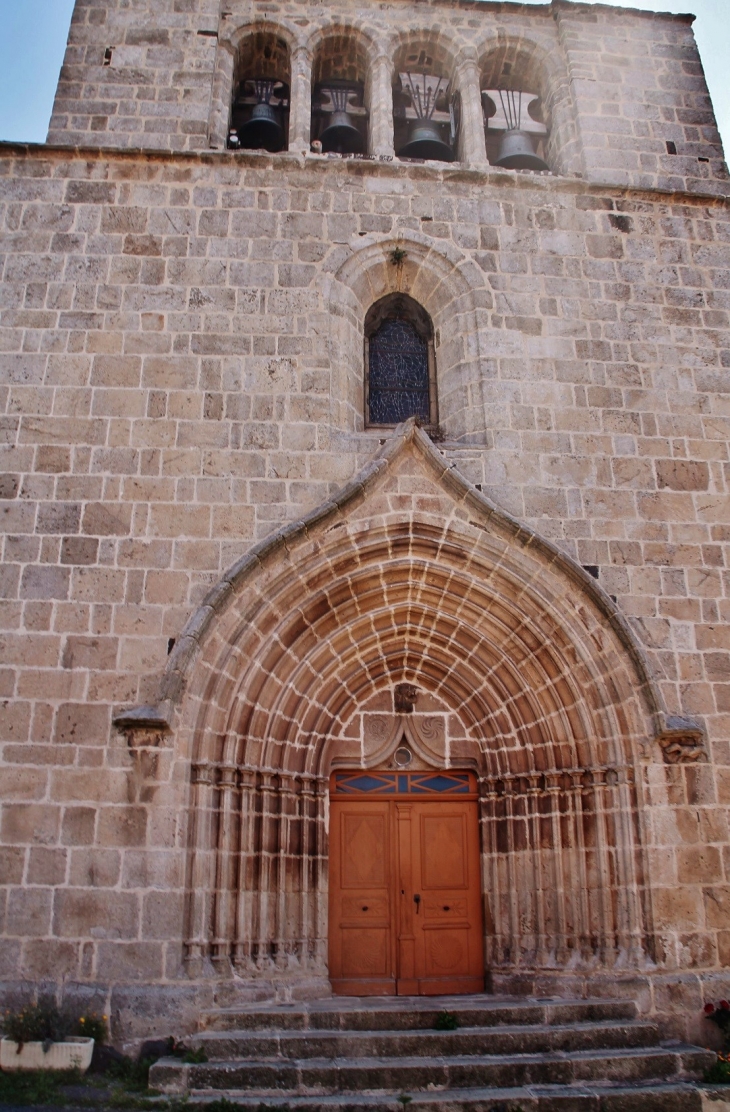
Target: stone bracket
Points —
{"points": [[145, 726], [683, 745]]}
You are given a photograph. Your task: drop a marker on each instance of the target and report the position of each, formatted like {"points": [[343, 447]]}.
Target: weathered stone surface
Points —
{"points": [[181, 352], [344, 1056]]}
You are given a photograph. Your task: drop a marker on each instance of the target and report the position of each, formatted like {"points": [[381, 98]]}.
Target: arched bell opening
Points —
{"points": [[341, 93], [516, 108], [262, 81], [426, 109]]}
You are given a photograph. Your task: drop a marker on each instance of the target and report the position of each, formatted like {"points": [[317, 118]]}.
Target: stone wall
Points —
{"points": [[183, 374], [181, 341]]}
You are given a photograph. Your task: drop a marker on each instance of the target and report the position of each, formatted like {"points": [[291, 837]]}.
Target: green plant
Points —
{"points": [[397, 255], [35, 1023], [719, 1072], [404, 1100], [446, 1021], [134, 1075], [91, 1026], [28, 1087], [224, 1105], [195, 1057]]}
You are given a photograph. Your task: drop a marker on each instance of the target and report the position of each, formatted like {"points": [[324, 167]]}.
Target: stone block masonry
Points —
{"points": [[626, 91], [182, 379]]}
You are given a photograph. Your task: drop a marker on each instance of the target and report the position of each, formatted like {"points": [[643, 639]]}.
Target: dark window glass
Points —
{"points": [[398, 374]]}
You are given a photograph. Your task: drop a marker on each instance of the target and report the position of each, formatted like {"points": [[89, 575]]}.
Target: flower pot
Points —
{"points": [[72, 1053]]}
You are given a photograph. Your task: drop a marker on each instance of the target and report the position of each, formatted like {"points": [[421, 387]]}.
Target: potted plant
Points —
{"points": [[39, 1037]]}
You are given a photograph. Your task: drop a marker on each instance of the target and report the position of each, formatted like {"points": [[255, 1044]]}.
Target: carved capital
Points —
{"points": [[301, 58], [203, 772]]}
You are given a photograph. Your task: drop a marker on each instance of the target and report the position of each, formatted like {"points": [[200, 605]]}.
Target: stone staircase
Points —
{"points": [[507, 1055]]}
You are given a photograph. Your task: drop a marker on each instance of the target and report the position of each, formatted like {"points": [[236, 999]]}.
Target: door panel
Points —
{"points": [[383, 853], [448, 921], [360, 918], [363, 842], [444, 854]]}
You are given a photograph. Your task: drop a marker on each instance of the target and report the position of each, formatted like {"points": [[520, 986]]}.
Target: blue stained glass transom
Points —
{"points": [[402, 783], [398, 382], [453, 785]]}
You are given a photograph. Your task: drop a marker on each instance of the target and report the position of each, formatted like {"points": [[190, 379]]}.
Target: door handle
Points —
{"points": [[417, 902]]}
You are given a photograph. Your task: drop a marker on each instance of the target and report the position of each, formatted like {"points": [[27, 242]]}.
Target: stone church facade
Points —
{"points": [[233, 588]]}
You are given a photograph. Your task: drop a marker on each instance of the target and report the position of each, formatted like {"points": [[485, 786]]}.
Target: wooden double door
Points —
{"points": [[405, 905]]}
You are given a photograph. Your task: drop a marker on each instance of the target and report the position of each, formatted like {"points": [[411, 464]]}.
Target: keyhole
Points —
{"points": [[417, 902], [446, 908], [365, 908]]}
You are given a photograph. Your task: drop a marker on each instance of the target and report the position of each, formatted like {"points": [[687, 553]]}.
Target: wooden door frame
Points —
{"points": [[392, 791]]}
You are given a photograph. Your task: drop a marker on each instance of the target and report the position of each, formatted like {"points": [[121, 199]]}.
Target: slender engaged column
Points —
{"points": [[197, 943], [225, 905], [381, 107], [300, 104], [245, 877], [472, 143], [221, 99]]}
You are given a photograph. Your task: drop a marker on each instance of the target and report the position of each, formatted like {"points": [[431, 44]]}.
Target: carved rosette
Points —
{"points": [[428, 734]]}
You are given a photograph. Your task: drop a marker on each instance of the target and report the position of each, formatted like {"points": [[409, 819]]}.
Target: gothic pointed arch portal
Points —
{"points": [[522, 673]]}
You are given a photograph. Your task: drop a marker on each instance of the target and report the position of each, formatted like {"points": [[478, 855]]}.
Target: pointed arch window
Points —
{"points": [[400, 379]]}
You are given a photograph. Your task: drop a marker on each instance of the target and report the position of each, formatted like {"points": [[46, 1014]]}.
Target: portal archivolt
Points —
{"points": [[517, 674]]}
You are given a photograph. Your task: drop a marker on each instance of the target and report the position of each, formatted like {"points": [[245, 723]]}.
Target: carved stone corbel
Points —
{"points": [[404, 698], [145, 726], [683, 746]]}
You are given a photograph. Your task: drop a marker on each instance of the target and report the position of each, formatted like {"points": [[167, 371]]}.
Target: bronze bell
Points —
{"points": [[424, 135], [341, 135], [264, 129], [424, 141], [516, 152]]}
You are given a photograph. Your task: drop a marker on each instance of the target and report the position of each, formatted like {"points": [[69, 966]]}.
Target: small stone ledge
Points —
{"points": [[144, 726], [476, 174]]}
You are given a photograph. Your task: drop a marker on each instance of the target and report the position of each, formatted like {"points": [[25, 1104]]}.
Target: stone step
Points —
{"points": [[661, 1097], [503, 1039], [327, 1076], [411, 1013]]}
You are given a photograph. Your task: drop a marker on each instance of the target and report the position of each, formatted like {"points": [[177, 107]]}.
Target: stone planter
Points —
{"points": [[72, 1053]]}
